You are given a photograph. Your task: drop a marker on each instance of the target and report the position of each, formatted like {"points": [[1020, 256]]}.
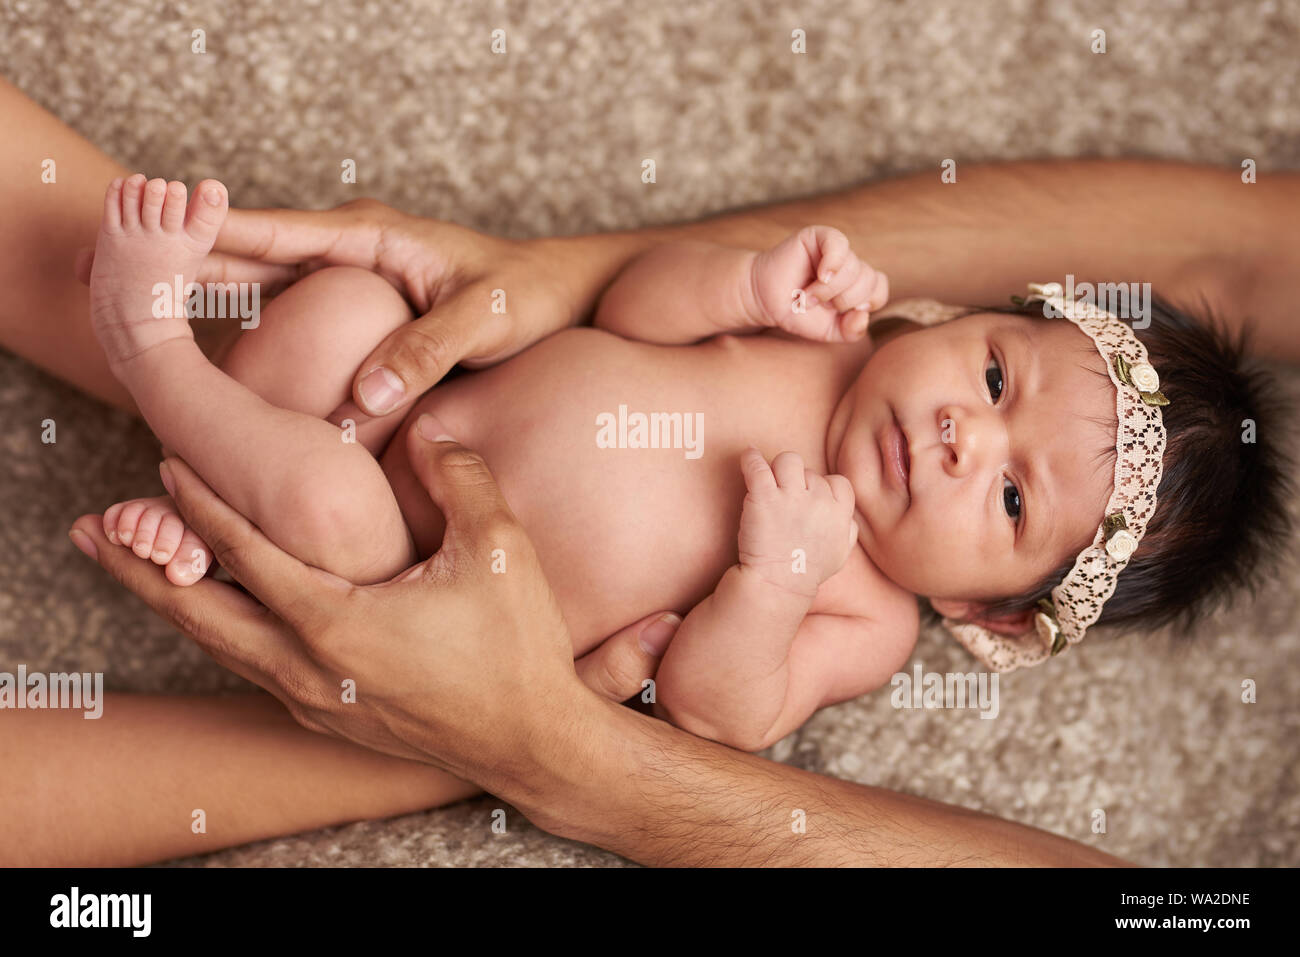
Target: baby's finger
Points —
{"points": [[833, 252], [788, 469], [842, 281], [815, 481], [879, 295], [842, 489], [758, 474], [858, 295]]}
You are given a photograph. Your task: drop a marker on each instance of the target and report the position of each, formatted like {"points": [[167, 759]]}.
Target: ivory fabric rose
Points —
{"points": [[1120, 545], [1144, 377], [1046, 628]]}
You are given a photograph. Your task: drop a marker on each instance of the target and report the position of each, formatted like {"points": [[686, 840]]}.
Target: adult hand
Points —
{"points": [[451, 275], [452, 664]]}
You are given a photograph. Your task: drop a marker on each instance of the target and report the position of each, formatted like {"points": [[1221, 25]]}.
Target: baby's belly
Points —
{"points": [[620, 531]]}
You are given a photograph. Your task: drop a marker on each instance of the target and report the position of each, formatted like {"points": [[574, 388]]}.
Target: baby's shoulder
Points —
{"points": [[861, 590]]}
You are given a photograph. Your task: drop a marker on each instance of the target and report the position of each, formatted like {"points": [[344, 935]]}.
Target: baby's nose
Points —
{"points": [[966, 436]]}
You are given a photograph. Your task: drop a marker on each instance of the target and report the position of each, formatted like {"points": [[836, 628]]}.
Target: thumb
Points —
{"points": [[460, 485], [616, 668], [415, 357]]}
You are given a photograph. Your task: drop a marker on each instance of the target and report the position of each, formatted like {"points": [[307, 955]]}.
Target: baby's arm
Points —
{"points": [[750, 664], [811, 284]]}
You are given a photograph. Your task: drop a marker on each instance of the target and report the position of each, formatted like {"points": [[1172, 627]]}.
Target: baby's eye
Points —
{"points": [[993, 378], [1011, 498]]}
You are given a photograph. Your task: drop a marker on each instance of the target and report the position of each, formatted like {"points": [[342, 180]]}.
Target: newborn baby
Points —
{"points": [[725, 442]]}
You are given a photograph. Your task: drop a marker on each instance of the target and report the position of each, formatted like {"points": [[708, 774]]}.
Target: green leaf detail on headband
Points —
{"points": [[1018, 300], [1059, 644], [1122, 370], [1113, 523], [1048, 608], [1154, 398]]}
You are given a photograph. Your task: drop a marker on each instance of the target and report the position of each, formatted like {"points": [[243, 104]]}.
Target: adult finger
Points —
{"points": [[347, 235], [617, 668], [231, 627], [281, 582], [216, 267], [416, 356], [460, 484]]}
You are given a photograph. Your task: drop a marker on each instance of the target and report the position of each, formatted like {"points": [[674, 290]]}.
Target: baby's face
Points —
{"points": [[981, 452]]}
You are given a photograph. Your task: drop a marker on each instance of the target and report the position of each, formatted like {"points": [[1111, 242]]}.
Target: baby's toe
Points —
{"points": [[206, 213], [155, 191], [191, 562], [146, 530], [168, 539], [112, 210], [127, 521], [132, 190], [111, 516], [173, 211]]}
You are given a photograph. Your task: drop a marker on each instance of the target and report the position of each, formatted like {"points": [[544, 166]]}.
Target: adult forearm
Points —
{"points": [[660, 796], [1197, 233]]}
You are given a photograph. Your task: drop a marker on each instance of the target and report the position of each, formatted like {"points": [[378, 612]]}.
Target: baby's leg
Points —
{"points": [[303, 353], [315, 494]]}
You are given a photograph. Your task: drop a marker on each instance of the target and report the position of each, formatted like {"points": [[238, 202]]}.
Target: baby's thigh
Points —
{"points": [[305, 349]]}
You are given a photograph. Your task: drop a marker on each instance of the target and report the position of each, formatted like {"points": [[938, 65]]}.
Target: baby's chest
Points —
{"points": [[624, 472]]}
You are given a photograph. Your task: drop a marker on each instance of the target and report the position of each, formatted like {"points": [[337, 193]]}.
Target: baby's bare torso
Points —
{"points": [[623, 532]]}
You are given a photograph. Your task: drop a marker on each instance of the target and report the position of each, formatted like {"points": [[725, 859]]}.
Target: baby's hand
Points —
{"points": [[813, 286], [797, 527]]}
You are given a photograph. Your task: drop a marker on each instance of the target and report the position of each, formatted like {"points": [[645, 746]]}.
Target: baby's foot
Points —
{"points": [[153, 529], [149, 236]]}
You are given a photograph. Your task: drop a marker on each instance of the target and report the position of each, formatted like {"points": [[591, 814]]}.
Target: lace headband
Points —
{"points": [[1076, 603]]}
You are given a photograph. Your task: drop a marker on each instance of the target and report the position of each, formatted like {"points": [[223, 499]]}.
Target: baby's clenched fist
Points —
{"points": [[796, 527], [813, 286]]}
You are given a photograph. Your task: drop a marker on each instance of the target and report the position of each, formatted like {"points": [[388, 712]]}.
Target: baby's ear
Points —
{"points": [[1010, 623]]}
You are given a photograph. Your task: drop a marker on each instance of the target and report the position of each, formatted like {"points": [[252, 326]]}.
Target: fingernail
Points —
{"points": [[212, 196], [656, 635], [84, 543], [381, 390], [431, 429], [168, 480]]}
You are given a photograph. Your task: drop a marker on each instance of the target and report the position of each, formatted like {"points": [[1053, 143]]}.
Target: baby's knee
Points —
{"points": [[357, 295]]}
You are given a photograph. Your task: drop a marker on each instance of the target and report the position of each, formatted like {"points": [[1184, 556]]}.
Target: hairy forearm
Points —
{"points": [[725, 674], [1197, 233], [657, 795]]}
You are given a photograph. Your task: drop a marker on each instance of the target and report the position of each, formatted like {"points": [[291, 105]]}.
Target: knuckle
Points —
{"points": [[421, 346], [504, 530], [365, 204], [465, 463]]}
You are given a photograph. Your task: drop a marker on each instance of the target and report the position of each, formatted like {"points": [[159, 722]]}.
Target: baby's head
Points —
{"points": [[983, 452]]}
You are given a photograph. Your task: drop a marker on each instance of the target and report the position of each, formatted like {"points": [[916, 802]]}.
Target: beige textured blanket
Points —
{"points": [[549, 139]]}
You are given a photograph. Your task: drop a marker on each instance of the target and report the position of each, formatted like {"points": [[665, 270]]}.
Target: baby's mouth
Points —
{"points": [[896, 457]]}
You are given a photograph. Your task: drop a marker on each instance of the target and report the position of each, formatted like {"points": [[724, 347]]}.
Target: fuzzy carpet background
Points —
{"points": [[548, 139]]}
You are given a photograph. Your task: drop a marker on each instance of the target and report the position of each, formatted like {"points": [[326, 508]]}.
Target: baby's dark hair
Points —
{"points": [[1222, 504]]}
